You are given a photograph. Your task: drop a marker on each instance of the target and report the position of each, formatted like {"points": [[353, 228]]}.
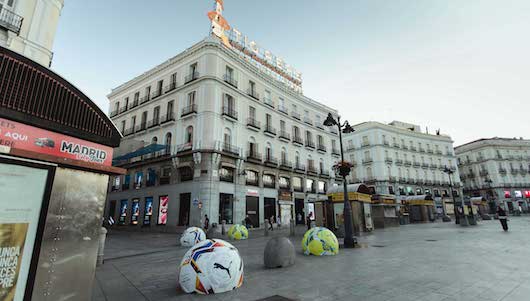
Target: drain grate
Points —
{"points": [[431, 240], [378, 246], [275, 298]]}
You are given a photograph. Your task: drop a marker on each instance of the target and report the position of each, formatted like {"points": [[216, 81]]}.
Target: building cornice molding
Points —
{"points": [[371, 125]]}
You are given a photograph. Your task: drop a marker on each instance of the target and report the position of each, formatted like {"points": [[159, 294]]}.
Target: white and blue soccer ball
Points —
{"points": [[192, 236], [211, 266]]}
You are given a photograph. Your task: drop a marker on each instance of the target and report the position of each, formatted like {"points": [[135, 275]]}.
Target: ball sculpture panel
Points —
{"points": [[279, 252], [320, 241], [211, 266], [238, 232], [192, 236]]}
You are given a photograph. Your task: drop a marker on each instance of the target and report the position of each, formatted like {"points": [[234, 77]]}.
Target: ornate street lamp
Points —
{"points": [[449, 173], [344, 170]]}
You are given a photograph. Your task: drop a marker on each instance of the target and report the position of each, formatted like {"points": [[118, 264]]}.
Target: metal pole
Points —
{"points": [[457, 219], [349, 241]]}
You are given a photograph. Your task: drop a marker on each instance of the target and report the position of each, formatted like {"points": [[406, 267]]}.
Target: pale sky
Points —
{"points": [[461, 66]]}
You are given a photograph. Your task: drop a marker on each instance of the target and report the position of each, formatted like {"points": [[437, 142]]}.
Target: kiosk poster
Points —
{"points": [[123, 212], [148, 212], [135, 211], [162, 210], [19, 222]]}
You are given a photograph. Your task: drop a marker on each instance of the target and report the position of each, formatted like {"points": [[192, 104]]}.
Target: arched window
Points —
{"points": [[189, 135], [154, 140], [168, 142], [284, 155], [297, 159], [252, 147], [268, 151], [389, 170]]}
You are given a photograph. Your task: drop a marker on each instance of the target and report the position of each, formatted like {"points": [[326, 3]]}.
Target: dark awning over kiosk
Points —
{"points": [[356, 192], [478, 200], [419, 200]]}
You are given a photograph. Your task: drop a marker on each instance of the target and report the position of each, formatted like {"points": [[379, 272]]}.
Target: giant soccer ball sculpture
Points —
{"points": [[211, 266], [192, 236], [238, 232], [320, 241]]}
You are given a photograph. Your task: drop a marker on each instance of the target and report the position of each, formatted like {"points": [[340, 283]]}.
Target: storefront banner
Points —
{"points": [[123, 211], [148, 211], [22, 189], [252, 192], [135, 211], [162, 209], [20, 136]]}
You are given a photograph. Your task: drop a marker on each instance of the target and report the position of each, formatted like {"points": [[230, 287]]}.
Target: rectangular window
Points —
{"points": [[282, 125], [148, 92], [151, 177], [251, 178], [297, 184], [136, 98], [126, 102], [309, 185], [226, 174], [173, 80], [269, 181], [391, 189], [123, 126], [321, 187], [159, 87], [229, 73], [169, 111], [191, 98], [165, 176], [252, 112], [226, 207], [284, 183], [156, 115], [126, 182], [133, 122], [186, 174], [268, 120]]}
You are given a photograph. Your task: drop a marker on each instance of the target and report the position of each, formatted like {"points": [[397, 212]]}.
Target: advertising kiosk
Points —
{"points": [[360, 199], [55, 160]]}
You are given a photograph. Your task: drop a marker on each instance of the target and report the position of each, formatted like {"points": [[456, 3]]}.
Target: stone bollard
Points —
{"points": [[102, 238], [279, 252], [266, 228], [292, 228], [223, 229]]}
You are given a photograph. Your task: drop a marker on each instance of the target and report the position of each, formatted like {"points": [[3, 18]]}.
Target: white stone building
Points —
{"points": [[227, 140], [399, 159], [29, 26], [497, 169]]}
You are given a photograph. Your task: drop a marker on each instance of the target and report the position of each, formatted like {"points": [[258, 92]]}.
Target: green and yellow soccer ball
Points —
{"points": [[238, 232], [320, 241]]}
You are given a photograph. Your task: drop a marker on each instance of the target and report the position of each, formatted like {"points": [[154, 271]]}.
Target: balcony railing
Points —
{"points": [[396, 145], [170, 87], [312, 169], [429, 151], [333, 130], [416, 164], [438, 152], [251, 122], [153, 122], [167, 118], [145, 99], [514, 171], [229, 148], [388, 160], [424, 165], [156, 94], [433, 166], [299, 167], [283, 109], [324, 173], [271, 160], [123, 109], [253, 155], [335, 152], [483, 173], [308, 120], [230, 80], [298, 140], [365, 144], [322, 148], [286, 164], [399, 162], [10, 21], [367, 160], [413, 148], [128, 131], [252, 93], [142, 126], [134, 104], [285, 135], [189, 110], [310, 144], [408, 163], [270, 130], [502, 170], [422, 150], [184, 147], [295, 115], [113, 113], [191, 77], [230, 112], [268, 102]]}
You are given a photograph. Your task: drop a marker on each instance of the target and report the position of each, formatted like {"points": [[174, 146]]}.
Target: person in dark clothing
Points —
{"points": [[503, 217], [247, 222], [308, 221], [271, 221], [206, 222]]}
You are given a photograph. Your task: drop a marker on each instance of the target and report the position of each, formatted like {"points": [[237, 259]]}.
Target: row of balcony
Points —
{"points": [[149, 124]]}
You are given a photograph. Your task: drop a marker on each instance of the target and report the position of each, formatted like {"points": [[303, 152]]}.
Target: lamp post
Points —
{"points": [[344, 170], [464, 221]]}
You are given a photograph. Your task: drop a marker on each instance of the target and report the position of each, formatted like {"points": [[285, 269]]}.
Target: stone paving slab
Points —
{"points": [[439, 261]]}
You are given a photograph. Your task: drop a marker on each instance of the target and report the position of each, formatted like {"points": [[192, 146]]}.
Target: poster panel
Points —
{"points": [[135, 211], [123, 212], [148, 211], [162, 209], [19, 219]]}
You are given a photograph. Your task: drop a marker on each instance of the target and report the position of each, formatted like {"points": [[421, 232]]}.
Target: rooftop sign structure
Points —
{"points": [[249, 50]]}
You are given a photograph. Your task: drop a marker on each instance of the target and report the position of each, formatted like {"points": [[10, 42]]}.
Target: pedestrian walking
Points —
{"points": [[271, 220], [503, 218], [278, 221], [247, 222], [206, 222], [308, 220]]}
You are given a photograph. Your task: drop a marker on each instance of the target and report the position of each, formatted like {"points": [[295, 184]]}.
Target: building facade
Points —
{"points": [[497, 169], [29, 26], [399, 159], [207, 132]]}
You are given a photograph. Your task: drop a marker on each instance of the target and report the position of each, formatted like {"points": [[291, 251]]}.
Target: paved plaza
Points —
{"points": [[436, 261]]}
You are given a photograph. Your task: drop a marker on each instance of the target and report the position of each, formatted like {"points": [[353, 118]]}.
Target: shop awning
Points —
{"points": [[424, 199], [385, 199], [151, 148], [356, 192]]}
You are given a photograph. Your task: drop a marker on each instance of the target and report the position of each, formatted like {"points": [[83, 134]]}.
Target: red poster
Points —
{"points": [[17, 135]]}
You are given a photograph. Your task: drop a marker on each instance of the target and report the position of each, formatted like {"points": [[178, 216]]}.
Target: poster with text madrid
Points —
{"points": [[20, 206]]}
